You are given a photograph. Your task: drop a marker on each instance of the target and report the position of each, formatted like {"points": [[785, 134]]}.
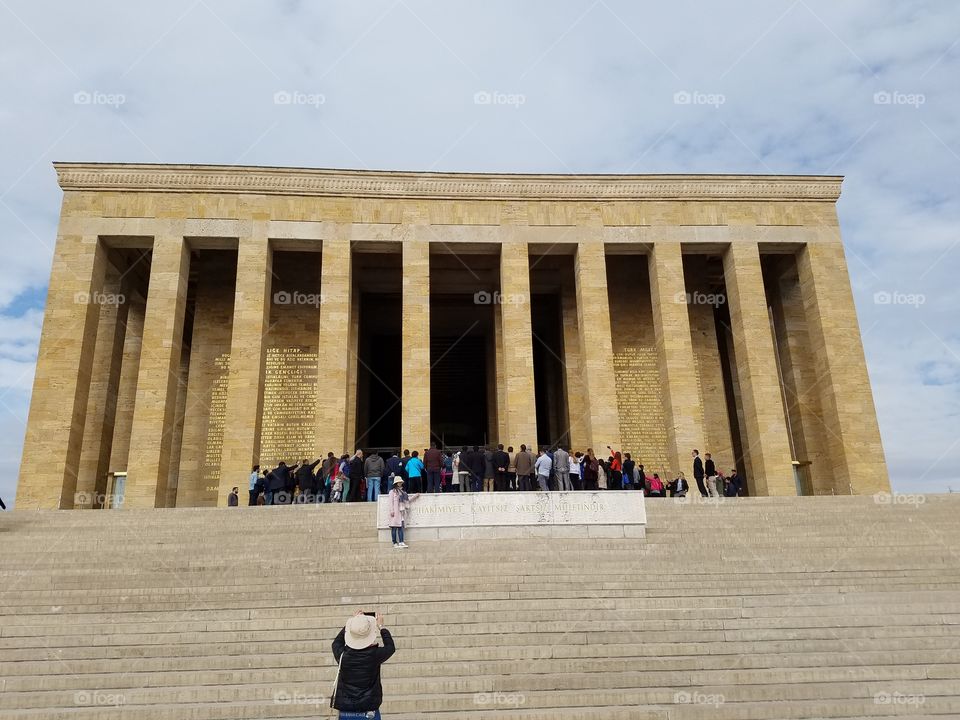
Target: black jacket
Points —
{"points": [[306, 479], [698, 468], [477, 464], [359, 688], [356, 470], [278, 478], [709, 469], [501, 460]]}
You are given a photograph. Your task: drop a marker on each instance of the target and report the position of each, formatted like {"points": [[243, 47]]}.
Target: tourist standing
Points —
{"points": [[614, 470], [358, 691], [399, 504], [543, 467], [525, 465], [276, 484], [433, 462], [477, 468], [415, 472], [602, 469], [590, 471], [734, 484], [575, 478], [561, 468], [629, 466], [489, 474], [307, 481], [233, 499], [254, 484], [710, 472], [327, 468], [374, 468], [501, 461], [512, 469], [698, 473]]}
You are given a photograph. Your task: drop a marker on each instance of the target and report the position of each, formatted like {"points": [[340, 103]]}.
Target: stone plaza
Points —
{"points": [[202, 319]]}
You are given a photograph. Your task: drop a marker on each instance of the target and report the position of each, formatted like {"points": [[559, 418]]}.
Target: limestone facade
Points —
{"points": [[237, 340]]}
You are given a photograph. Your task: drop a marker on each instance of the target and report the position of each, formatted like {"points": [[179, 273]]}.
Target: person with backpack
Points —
{"points": [[358, 691]]}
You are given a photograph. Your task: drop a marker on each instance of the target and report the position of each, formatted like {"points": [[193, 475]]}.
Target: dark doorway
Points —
{"points": [[458, 389], [378, 372], [376, 277], [548, 369]]}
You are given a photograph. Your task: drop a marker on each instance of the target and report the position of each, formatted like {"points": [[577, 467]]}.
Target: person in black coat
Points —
{"points": [[356, 478], [698, 473], [478, 464], [359, 658], [501, 461], [280, 482], [307, 481]]}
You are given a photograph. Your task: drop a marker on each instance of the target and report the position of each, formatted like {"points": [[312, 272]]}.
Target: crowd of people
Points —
{"points": [[362, 478]]}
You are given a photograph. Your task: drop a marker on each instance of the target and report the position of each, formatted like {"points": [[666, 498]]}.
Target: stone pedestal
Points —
{"points": [[454, 516]]}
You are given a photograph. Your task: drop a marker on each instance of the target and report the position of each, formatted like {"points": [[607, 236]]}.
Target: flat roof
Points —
{"points": [[329, 182]]}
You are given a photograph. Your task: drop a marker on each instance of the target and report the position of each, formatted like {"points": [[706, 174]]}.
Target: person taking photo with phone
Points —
{"points": [[357, 692]]}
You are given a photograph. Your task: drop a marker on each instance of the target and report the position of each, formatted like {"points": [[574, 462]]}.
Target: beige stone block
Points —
{"points": [[597, 407], [767, 442], [683, 402], [127, 385], [102, 398], [573, 370], [850, 418], [240, 447], [334, 357], [58, 407], [519, 413], [154, 412], [415, 360]]}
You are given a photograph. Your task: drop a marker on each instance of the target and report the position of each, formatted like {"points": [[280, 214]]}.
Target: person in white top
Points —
{"points": [[575, 471]]}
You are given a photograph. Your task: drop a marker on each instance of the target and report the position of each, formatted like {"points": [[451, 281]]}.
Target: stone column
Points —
{"points": [[240, 449], [520, 411], [767, 442], [158, 378], [415, 332], [577, 415], [127, 386], [334, 353], [102, 400], [58, 407], [853, 436], [682, 404], [598, 405]]}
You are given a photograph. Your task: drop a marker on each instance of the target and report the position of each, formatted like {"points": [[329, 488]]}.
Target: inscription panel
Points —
{"points": [[289, 400], [520, 508]]}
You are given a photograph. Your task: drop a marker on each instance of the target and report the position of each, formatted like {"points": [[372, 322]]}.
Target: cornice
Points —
{"points": [[122, 177]]}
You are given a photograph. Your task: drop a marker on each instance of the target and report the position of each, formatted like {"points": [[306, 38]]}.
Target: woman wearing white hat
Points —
{"points": [[357, 691], [399, 504]]}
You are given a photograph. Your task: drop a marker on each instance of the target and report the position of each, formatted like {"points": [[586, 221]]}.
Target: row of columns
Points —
{"points": [[68, 345]]}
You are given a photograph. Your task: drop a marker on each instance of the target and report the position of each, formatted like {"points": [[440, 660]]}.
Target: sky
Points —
{"points": [[860, 88]]}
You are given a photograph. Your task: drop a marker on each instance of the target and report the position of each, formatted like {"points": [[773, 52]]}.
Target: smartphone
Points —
{"points": [[371, 614]]}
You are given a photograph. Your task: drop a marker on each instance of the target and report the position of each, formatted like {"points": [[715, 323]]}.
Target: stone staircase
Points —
{"points": [[763, 608]]}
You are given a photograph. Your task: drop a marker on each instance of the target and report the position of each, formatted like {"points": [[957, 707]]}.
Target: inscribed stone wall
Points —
{"points": [[209, 350], [290, 382], [639, 401]]}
